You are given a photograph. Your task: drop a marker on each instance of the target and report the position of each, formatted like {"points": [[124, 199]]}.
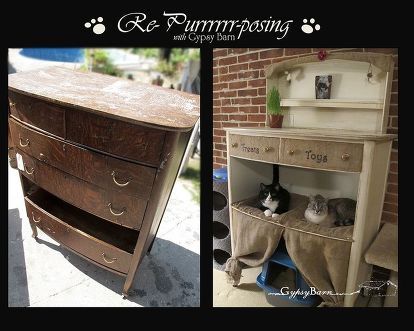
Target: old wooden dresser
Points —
{"points": [[98, 157], [336, 147]]}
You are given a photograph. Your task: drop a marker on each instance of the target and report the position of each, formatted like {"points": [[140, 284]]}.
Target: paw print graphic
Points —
{"points": [[309, 28], [98, 28]]}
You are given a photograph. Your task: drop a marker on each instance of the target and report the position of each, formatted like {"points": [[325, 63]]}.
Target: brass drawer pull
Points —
{"points": [[345, 156], [24, 145], [27, 171], [234, 145], [113, 212], [112, 259], [268, 149], [291, 151], [118, 183], [34, 219]]}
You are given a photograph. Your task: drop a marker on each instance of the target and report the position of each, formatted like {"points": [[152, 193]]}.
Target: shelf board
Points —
{"points": [[332, 103]]}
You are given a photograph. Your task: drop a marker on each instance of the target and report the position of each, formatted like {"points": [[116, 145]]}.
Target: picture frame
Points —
{"points": [[323, 86]]}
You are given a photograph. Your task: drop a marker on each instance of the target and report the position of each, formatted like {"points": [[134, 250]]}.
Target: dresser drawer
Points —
{"points": [[112, 206], [327, 155], [36, 112], [119, 138], [97, 250], [255, 148], [104, 171]]}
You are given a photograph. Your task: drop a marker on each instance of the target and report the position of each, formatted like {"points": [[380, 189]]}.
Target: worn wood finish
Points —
{"points": [[10, 149], [254, 148], [322, 154], [104, 171], [110, 97], [115, 137], [36, 112], [87, 196], [163, 184], [83, 243], [312, 134], [97, 142]]}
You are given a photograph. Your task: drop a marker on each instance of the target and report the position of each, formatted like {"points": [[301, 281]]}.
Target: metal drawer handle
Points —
{"points": [[234, 145], [118, 183], [34, 219], [113, 212], [113, 259], [291, 152], [24, 145], [268, 148], [28, 172], [345, 156]]}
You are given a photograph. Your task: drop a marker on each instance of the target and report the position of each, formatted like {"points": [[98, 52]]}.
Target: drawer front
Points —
{"points": [[112, 206], [322, 154], [115, 137], [43, 115], [80, 242], [255, 148], [104, 171], [29, 165]]}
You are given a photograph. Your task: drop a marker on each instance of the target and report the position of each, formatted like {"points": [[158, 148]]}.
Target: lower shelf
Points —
{"points": [[105, 243]]}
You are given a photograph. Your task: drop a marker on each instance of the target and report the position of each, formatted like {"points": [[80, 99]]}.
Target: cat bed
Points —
{"points": [[320, 253]]}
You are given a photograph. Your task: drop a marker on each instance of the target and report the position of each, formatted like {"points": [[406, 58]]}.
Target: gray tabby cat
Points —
{"points": [[332, 212]]}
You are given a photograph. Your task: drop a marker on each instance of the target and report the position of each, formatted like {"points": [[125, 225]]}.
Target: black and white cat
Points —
{"points": [[273, 199], [330, 212]]}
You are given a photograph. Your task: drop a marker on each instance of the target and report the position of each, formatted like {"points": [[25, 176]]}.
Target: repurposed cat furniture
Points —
{"points": [[336, 147], [221, 219]]}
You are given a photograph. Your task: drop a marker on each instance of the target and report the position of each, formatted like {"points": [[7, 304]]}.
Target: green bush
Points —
{"points": [[102, 63]]}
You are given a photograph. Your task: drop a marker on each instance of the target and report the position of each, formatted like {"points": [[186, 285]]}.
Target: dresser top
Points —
{"points": [[109, 96], [328, 134]]}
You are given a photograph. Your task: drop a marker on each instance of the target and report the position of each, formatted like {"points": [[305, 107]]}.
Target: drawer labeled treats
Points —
{"points": [[110, 205], [38, 113], [104, 171], [119, 138], [255, 148], [327, 155], [61, 223]]}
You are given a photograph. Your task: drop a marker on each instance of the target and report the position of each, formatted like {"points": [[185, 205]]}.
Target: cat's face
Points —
{"points": [[269, 193], [318, 205]]}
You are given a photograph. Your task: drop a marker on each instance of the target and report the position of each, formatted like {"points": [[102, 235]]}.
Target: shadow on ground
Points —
{"points": [[17, 278]]}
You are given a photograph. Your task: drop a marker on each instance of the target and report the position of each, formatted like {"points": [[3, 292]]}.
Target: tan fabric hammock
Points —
{"points": [[321, 254]]}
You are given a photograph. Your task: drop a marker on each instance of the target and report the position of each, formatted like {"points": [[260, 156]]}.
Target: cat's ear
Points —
{"points": [[277, 187], [311, 197], [262, 186]]}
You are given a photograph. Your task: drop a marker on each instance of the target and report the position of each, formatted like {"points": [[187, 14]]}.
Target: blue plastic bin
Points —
{"points": [[281, 259], [220, 175]]}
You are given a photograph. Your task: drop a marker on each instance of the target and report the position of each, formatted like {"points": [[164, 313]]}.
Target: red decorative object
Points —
{"points": [[322, 55]]}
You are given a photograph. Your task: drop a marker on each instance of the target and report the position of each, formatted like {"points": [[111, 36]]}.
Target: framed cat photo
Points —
{"points": [[323, 86]]}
